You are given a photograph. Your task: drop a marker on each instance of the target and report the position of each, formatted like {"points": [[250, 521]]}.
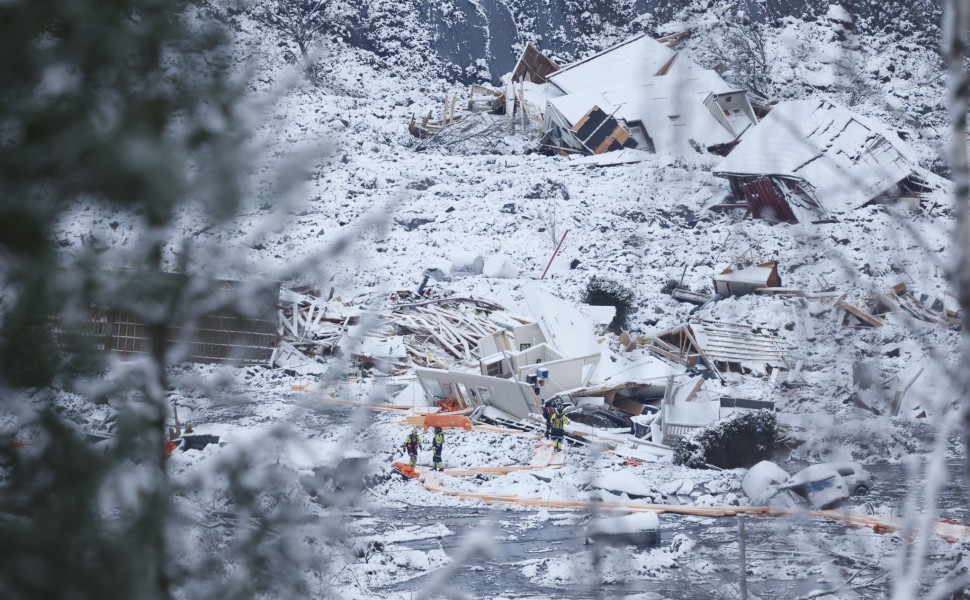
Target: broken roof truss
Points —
{"points": [[722, 347]]}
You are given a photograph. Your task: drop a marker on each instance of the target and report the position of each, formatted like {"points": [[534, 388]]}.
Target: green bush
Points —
{"points": [[606, 292], [741, 440]]}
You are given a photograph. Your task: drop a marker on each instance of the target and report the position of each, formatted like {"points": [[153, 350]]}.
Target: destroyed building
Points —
{"points": [[722, 347], [810, 158], [637, 94]]}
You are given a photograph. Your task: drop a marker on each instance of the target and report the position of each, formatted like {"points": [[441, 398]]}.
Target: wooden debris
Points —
{"points": [[746, 280], [440, 420], [858, 313], [685, 295]]}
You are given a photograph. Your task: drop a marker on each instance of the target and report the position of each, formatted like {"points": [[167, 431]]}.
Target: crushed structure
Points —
{"points": [[873, 311], [642, 94], [810, 158], [721, 347]]}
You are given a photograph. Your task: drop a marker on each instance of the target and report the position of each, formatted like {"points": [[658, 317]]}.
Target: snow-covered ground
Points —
{"points": [[373, 212]]}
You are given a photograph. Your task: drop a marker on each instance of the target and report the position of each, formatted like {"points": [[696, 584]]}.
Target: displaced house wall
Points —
{"points": [[764, 199], [534, 355], [530, 334], [559, 138], [732, 110], [496, 365], [565, 374], [599, 132], [510, 396], [494, 343]]}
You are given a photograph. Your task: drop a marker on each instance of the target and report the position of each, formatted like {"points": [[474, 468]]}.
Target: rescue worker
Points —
{"points": [[412, 444], [558, 420], [549, 407], [436, 445]]}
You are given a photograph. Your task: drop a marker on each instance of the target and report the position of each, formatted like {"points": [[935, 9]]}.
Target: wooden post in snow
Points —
{"points": [[554, 253], [742, 560]]}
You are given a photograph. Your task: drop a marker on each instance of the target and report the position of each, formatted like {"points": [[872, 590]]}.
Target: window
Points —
{"points": [[524, 347], [846, 472], [495, 369]]}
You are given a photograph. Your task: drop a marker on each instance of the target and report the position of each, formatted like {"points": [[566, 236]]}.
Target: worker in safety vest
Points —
{"points": [[412, 444], [436, 445], [549, 407], [558, 420]]}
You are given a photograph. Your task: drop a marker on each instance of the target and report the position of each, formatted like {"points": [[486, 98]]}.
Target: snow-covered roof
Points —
{"points": [[567, 329], [538, 93], [645, 370], [725, 342], [671, 107], [847, 158], [636, 58]]}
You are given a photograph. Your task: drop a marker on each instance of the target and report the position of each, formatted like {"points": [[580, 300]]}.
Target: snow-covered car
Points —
{"points": [[857, 480], [819, 486]]}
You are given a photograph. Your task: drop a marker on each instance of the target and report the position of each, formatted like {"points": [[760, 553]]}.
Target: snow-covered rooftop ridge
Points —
{"points": [[637, 57], [847, 158]]}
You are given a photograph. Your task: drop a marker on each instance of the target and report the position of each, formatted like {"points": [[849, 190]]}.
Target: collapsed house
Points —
{"points": [[642, 94], [637, 94], [809, 158], [722, 347], [556, 355]]}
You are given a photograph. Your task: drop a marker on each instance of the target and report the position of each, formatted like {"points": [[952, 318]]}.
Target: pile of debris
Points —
{"points": [[392, 335]]}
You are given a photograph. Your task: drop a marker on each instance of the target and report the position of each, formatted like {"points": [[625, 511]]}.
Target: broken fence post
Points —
{"points": [[554, 253]]}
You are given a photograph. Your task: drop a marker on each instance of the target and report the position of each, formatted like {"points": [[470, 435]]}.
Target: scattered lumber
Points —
{"points": [[685, 295], [445, 421], [858, 313]]}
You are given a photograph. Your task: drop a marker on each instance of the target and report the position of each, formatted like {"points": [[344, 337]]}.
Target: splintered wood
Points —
{"points": [[428, 332], [457, 330]]}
